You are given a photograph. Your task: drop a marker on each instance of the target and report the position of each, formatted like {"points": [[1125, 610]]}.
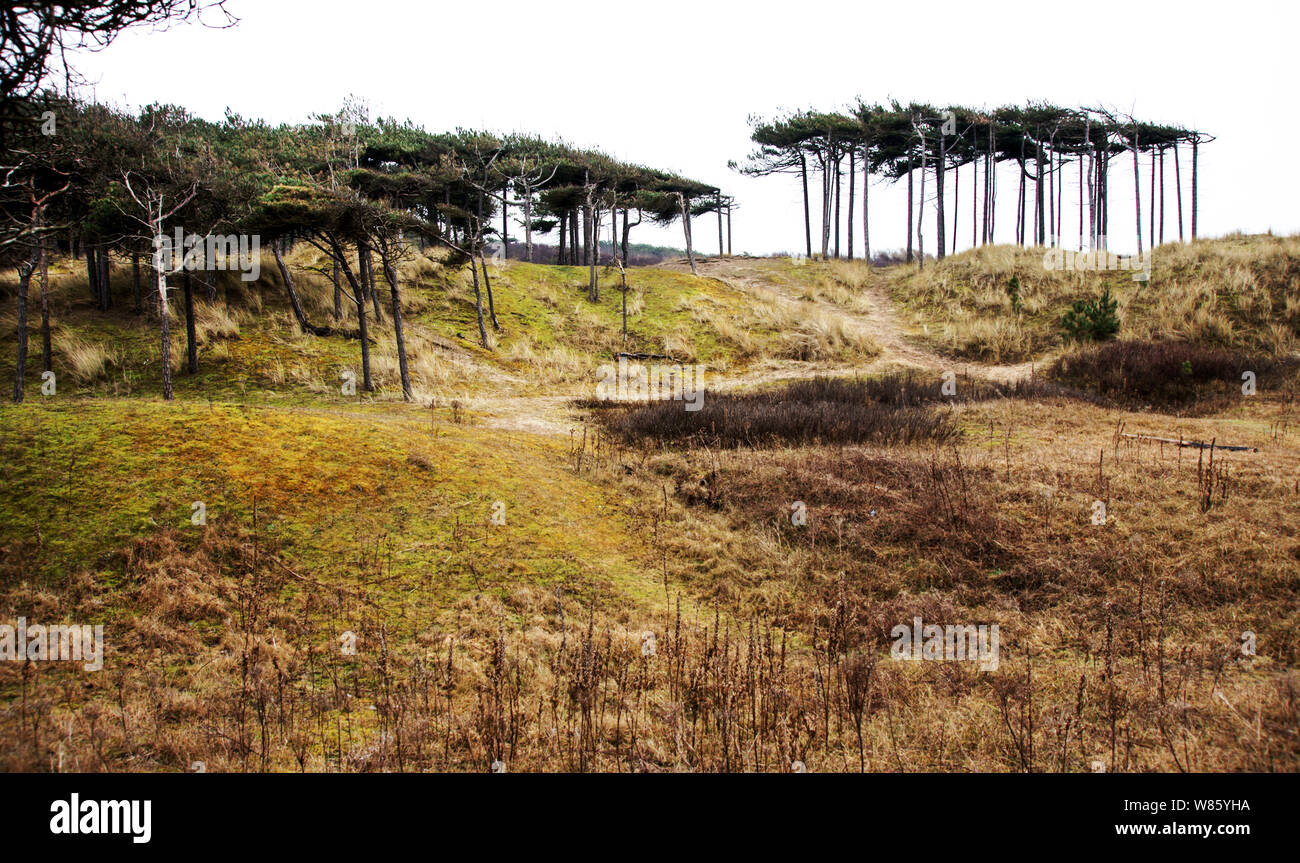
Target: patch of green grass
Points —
{"points": [[345, 494]]}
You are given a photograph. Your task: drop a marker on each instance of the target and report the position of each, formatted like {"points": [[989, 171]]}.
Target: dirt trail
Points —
{"points": [[879, 321], [549, 415]]}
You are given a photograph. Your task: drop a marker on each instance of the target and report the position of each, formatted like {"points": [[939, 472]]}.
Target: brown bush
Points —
{"points": [[892, 409], [1185, 377]]}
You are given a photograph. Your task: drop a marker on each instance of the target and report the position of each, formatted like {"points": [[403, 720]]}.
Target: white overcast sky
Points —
{"points": [[670, 84]]}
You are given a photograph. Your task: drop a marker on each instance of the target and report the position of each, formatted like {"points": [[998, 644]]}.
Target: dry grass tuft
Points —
{"points": [[85, 362]]}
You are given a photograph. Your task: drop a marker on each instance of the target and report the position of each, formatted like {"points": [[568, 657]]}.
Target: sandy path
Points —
{"points": [[878, 320]]}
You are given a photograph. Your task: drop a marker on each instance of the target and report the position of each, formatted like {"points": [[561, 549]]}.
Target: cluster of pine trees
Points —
{"points": [[102, 184], [1037, 142]]}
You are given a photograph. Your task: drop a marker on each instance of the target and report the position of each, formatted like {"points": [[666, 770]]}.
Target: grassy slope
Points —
{"points": [[1240, 292], [89, 476]]}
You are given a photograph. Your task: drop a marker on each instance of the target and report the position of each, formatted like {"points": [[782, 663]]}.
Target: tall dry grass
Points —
{"points": [[84, 361], [1234, 292], [1120, 643]]}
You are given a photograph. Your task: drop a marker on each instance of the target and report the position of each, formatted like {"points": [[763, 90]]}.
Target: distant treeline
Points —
{"points": [[93, 181], [894, 141], [633, 255]]}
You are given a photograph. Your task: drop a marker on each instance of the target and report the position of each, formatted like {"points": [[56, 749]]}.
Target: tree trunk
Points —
{"points": [[1020, 204], [984, 223], [92, 273], [360, 285], [974, 188], [1137, 193], [940, 237], [993, 184], [191, 340], [838, 189], [911, 207], [1151, 202], [135, 284], [338, 289], [105, 281], [623, 245], [1178, 184], [1060, 196], [47, 353], [164, 328], [1195, 146], [573, 237], [24, 279], [369, 270], [627, 229], [827, 201], [562, 254], [866, 186], [622, 276], [487, 283], [294, 300], [1103, 201], [853, 179], [1051, 198], [359, 297], [478, 305], [528, 222], [151, 277], [1092, 199], [920, 214], [807, 213], [1040, 206], [390, 272], [686, 227], [1162, 196], [586, 236], [591, 238], [956, 201], [718, 202], [1080, 201]]}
